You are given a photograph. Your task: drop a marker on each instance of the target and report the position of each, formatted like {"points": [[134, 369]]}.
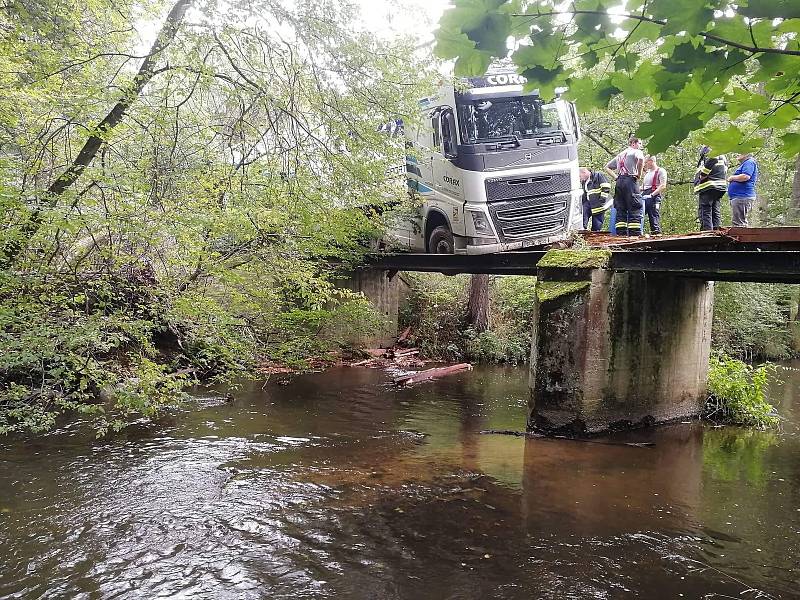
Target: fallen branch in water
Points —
{"points": [[533, 435], [432, 374]]}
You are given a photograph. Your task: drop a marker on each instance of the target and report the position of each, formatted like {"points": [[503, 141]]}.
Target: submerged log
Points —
{"points": [[542, 436], [432, 374]]}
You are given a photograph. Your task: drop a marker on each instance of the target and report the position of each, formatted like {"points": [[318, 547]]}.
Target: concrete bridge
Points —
{"points": [[621, 334]]}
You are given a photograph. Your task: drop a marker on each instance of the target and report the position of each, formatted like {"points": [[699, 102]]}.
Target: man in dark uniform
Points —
{"points": [[710, 186], [596, 198]]}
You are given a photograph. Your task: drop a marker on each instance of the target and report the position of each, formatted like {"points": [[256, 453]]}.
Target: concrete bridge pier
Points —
{"points": [[383, 292], [617, 350]]}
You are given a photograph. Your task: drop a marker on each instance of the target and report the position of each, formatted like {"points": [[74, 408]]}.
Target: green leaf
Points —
{"points": [[643, 30], [772, 9], [452, 44], [733, 29], [641, 84], [668, 81], [695, 98], [590, 93], [591, 28], [741, 101], [789, 26], [543, 51], [491, 34], [776, 65], [782, 117], [472, 64], [464, 16], [546, 80], [691, 16], [732, 139], [667, 127], [790, 144]]}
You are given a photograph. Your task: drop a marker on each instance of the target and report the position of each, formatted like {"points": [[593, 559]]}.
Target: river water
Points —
{"points": [[338, 485]]}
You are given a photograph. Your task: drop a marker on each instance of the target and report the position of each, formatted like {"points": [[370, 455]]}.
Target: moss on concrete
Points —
{"points": [[550, 290], [575, 259]]}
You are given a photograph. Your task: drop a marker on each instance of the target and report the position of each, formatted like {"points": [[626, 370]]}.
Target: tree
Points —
{"points": [[701, 61], [174, 213], [478, 304]]}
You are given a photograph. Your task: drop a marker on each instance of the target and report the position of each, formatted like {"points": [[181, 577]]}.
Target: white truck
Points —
{"points": [[493, 168]]}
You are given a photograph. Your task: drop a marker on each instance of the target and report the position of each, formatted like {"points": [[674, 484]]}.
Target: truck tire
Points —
{"points": [[441, 241]]}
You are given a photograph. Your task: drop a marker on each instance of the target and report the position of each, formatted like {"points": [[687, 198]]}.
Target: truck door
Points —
{"points": [[448, 179]]}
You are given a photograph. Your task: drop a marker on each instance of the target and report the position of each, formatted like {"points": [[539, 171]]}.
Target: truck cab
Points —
{"points": [[494, 168]]}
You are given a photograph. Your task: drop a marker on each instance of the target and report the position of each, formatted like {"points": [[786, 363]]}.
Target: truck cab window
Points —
{"points": [[484, 120], [448, 133], [435, 127]]}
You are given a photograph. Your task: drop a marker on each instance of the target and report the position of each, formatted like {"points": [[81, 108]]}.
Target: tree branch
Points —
{"points": [[113, 118], [755, 49]]}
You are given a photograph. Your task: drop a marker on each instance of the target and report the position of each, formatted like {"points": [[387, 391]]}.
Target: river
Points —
{"points": [[338, 485]]}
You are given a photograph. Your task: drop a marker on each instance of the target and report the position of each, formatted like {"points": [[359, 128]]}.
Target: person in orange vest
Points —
{"points": [[627, 168], [653, 187]]}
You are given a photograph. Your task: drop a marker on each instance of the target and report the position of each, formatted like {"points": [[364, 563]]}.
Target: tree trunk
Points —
{"points": [[478, 306], [100, 133], [796, 188]]}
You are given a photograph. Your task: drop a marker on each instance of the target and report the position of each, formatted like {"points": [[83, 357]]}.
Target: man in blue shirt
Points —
{"points": [[742, 189]]}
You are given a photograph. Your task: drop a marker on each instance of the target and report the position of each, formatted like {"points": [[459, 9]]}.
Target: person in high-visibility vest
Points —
{"points": [[627, 168], [653, 187], [710, 186], [596, 198]]}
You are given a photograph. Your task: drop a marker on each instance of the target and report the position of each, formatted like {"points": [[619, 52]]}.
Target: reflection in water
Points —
{"points": [[340, 485]]}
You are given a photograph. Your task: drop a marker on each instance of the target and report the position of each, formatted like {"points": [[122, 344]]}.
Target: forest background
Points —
{"points": [[184, 212]]}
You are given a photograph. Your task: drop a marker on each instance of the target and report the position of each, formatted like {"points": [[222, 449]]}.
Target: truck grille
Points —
{"points": [[507, 188], [529, 207]]}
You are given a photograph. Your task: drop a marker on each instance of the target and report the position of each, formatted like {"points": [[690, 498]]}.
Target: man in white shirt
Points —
{"points": [[626, 168], [653, 186]]}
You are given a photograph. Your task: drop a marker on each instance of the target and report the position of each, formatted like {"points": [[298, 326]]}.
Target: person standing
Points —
{"points": [[626, 168], [596, 198], [653, 187], [742, 189], [710, 186]]}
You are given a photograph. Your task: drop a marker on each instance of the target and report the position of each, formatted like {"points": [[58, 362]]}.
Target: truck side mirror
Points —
{"points": [[575, 122], [449, 143]]}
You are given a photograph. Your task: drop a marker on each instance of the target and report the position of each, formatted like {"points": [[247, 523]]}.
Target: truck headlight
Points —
{"points": [[481, 223]]}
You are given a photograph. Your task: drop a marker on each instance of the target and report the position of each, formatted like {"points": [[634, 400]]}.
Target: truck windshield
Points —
{"points": [[501, 118]]}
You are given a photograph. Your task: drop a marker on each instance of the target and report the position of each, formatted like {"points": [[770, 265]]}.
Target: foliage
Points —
{"points": [[750, 320], [61, 350], [736, 393], [703, 64], [436, 309], [176, 215]]}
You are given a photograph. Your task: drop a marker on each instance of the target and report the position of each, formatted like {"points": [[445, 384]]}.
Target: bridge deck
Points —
{"points": [[760, 255]]}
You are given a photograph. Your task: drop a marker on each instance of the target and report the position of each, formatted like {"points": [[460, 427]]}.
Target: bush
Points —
{"points": [[751, 320], [437, 306], [736, 393]]}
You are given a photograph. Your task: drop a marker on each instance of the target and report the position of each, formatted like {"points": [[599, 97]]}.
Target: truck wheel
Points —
{"points": [[441, 241]]}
